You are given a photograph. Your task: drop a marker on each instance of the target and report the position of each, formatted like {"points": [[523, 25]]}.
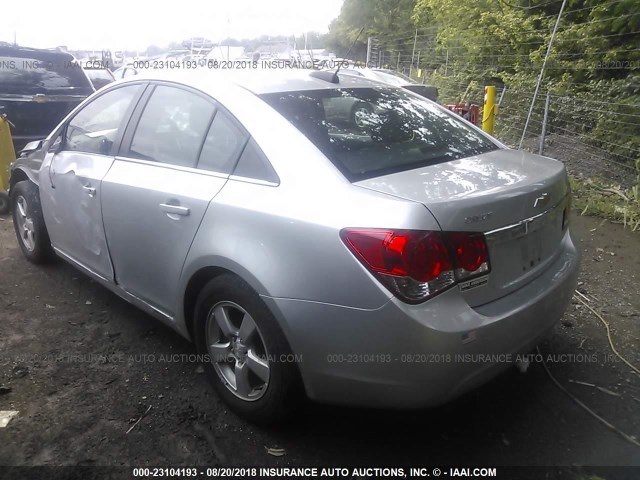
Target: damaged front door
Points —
{"points": [[71, 188]]}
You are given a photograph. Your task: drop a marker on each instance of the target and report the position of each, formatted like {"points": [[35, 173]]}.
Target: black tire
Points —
{"points": [[25, 194], [5, 203], [283, 394]]}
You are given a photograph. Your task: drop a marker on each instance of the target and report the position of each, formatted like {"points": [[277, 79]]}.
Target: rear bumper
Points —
{"points": [[412, 356]]}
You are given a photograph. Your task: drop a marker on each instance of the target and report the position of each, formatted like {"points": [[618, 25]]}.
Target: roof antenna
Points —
{"points": [[332, 77], [335, 75]]}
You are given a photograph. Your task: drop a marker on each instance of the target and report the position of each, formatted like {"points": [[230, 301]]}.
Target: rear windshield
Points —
{"points": [[369, 132], [26, 73], [99, 74], [396, 80], [100, 78], [402, 76]]}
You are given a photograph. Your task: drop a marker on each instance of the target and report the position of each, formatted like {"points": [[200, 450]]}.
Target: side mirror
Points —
{"points": [[30, 147], [56, 145], [105, 146]]}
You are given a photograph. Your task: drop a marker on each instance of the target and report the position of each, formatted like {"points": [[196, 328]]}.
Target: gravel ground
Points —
{"points": [[77, 411]]}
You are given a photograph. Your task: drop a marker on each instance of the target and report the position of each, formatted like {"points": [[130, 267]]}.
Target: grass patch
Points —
{"points": [[598, 199]]}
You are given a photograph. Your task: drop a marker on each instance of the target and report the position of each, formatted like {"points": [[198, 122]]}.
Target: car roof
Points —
{"points": [[382, 75], [36, 53], [257, 81]]}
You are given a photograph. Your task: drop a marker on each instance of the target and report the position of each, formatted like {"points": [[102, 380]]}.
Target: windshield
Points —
{"points": [[369, 132]]}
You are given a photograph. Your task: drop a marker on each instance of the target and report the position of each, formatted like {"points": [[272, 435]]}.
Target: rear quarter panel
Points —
{"points": [[285, 240]]}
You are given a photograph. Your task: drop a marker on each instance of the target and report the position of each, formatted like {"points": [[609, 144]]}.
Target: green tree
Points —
{"points": [[386, 19]]}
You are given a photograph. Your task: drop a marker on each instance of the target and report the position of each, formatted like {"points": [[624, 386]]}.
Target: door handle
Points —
{"points": [[91, 191], [175, 209]]}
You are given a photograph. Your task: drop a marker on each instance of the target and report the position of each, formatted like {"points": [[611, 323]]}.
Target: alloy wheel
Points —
{"points": [[25, 224], [237, 351], [360, 115]]}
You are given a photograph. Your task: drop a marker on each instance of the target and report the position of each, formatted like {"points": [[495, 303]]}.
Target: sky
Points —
{"points": [[134, 25]]}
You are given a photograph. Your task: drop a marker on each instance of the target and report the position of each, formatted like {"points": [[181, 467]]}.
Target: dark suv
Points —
{"points": [[37, 90]]}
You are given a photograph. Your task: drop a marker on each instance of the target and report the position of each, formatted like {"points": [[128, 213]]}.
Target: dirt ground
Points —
{"points": [[78, 363]]}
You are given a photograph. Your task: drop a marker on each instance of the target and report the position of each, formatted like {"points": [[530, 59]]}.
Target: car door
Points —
{"points": [[176, 156], [81, 157]]}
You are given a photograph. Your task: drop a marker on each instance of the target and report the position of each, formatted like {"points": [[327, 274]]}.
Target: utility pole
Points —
{"points": [[544, 123], [415, 41], [446, 64], [544, 64]]}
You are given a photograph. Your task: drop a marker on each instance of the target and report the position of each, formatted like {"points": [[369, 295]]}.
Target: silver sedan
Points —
{"points": [[394, 261]]}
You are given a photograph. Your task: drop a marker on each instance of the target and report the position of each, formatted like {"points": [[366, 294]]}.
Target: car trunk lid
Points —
{"points": [[517, 199]]}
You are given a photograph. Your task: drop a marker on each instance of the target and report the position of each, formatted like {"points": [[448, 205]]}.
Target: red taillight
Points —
{"points": [[470, 254], [422, 256], [416, 264]]}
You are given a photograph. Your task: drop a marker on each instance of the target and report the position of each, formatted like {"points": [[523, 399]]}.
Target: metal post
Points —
{"points": [[368, 51], [398, 65], [446, 65], [418, 65], [504, 90], [544, 64], [413, 55], [544, 123]]}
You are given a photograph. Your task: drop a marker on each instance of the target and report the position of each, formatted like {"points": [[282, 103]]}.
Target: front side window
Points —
{"points": [[94, 128], [370, 132], [172, 127]]}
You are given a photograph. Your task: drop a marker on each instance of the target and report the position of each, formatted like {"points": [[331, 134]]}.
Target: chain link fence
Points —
{"points": [[595, 138]]}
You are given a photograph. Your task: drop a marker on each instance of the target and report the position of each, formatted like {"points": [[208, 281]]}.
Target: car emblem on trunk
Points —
{"points": [[478, 218], [542, 200]]}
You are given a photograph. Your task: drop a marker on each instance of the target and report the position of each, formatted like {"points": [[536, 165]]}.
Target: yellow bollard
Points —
{"points": [[489, 109], [7, 156], [7, 153]]}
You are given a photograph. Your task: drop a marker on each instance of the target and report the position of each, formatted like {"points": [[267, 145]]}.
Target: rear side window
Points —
{"points": [[172, 127], [30, 72], [225, 140], [94, 128], [370, 132], [254, 164]]}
